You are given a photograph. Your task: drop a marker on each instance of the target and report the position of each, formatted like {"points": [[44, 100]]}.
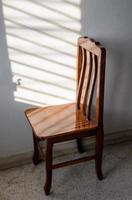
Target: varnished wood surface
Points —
{"points": [[74, 120], [58, 120], [90, 45], [73, 162]]}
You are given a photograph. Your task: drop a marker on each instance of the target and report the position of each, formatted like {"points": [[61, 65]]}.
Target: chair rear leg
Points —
{"points": [[99, 153], [36, 155], [79, 145], [49, 157]]}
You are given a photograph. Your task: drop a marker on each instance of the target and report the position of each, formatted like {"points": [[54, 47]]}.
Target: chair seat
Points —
{"points": [[58, 120]]}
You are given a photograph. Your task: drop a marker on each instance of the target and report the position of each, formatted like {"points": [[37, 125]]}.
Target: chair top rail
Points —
{"points": [[90, 45]]}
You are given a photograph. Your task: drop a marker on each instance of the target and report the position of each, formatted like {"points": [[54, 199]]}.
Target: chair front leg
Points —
{"points": [[36, 155], [79, 145], [99, 152], [49, 157]]}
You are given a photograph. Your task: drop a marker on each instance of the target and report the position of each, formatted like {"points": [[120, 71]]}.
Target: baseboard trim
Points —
{"points": [[65, 148]]}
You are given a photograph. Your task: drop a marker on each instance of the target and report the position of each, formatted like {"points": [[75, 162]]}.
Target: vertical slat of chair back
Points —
{"points": [[81, 85], [100, 87], [92, 84], [86, 82], [91, 65]]}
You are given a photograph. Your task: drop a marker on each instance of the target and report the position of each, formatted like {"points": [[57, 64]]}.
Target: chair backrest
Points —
{"points": [[90, 71]]}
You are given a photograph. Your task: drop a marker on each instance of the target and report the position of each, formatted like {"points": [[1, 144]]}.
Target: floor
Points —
{"points": [[77, 182]]}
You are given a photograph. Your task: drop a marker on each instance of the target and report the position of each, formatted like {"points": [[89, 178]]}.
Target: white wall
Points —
{"points": [[15, 135], [109, 22]]}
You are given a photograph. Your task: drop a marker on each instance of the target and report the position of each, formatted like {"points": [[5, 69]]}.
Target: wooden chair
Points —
{"points": [[74, 121]]}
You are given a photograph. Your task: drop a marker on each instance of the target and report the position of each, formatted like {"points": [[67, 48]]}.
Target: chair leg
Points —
{"points": [[49, 156], [36, 155], [79, 145], [99, 153]]}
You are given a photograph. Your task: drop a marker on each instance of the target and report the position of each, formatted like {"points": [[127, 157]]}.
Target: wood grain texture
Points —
{"points": [[74, 120], [59, 120]]}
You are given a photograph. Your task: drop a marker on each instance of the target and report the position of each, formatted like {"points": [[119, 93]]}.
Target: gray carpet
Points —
{"points": [[77, 182]]}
